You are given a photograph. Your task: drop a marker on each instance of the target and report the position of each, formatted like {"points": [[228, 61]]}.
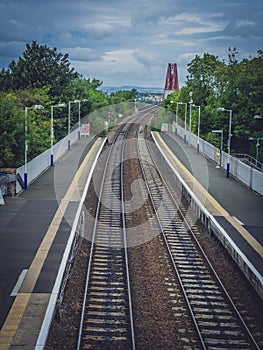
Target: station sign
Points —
{"points": [[164, 127], [85, 129]]}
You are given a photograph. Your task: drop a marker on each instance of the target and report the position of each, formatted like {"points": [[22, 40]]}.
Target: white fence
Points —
{"points": [[40, 163], [251, 177], [244, 173]]}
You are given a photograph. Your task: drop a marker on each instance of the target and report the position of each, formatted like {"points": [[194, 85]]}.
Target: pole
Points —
{"points": [[69, 126], [221, 147], [26, 149], [26, 142], [52, 136], [79, 121], [176, 118], [229, 143], [198, 129], [185, 117], [222, 109], [190, 119], [198, 126], [257, 145]]}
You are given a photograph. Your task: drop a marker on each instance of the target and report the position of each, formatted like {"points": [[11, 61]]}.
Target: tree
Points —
{"points": [[12, 131], [233, 85], [40, 66], [202, 77], [12, 124], [123, 96]]}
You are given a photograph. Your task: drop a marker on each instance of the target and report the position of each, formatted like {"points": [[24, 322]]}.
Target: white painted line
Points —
{"points": [[19, 283], [42, 337], [2, 202], [240, 222], [212, 219]]}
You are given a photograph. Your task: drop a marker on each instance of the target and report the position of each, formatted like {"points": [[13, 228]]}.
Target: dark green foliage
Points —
{"points": [[40, 66], [233, 85], [12, 131], [43, 76]]}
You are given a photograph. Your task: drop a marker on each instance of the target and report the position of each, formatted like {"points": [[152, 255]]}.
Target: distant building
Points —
{"points": [[171, 82]]}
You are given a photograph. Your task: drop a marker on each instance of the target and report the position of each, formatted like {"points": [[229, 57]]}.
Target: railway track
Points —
{"points": [[216, 319], [107, 317], [106, 321]]}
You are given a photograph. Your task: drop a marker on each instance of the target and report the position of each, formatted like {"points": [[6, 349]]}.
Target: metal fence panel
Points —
{"points": [[243, 172], [40, 163]]}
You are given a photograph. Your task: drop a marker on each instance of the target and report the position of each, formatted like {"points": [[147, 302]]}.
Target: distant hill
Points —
{"points": [[153, 90]]}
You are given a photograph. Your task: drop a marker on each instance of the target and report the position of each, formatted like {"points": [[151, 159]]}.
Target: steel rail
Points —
{"points": [[171, 256], [126, 126], [250, 336], [228, 297], [126, 248]]}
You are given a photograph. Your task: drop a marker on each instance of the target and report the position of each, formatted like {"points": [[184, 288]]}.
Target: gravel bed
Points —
{"points": [[160, 322]]}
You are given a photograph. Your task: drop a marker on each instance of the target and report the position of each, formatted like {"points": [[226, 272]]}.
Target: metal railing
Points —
{"points": [[249, 160]]}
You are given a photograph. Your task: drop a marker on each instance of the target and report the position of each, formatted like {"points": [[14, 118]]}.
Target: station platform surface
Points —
{"points": [[34, 230], [35, 226], [237, 209]]}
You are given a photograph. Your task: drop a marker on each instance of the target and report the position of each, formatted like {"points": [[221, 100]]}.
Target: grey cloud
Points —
{"points": [[156, 32], [83, 54]]}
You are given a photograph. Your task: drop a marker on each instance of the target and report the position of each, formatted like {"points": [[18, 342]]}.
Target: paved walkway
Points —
{"points": [[34, 231], [238, 209]]}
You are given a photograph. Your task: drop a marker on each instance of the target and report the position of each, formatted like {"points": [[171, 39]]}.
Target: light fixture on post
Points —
{"points": [[221, 143], [198, 127], [222, 109], [26, 142], [52, 131], [190, 104], [78, 101], [257, 145], [185, 116], [176, 115], [69, 121]]}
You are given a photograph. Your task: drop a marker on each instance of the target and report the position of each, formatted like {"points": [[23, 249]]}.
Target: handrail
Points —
{"points": [[249, 159]]}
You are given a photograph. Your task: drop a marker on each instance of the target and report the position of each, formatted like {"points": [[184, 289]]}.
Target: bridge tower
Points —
{"points": [[171, 82]]}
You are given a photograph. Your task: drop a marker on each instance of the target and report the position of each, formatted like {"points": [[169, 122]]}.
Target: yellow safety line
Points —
{"points": [[13, 320], [18, 308], [185, 173]]}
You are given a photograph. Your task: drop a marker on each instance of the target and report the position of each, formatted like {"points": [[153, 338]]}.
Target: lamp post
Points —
{"points": [[190, 119], [176, 115], [176, 118], [69, 121], [52, 132], [222, 109], [185, 116], [257, 145], [26, 142], [79, 101], [198, 127], [221, 143]]}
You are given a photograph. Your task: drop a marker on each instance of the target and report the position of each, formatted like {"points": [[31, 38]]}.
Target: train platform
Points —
{"points": [[34, 232], [236, 208]]}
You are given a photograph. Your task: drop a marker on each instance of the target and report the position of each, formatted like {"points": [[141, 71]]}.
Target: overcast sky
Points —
{"points": [[130, 42]]}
